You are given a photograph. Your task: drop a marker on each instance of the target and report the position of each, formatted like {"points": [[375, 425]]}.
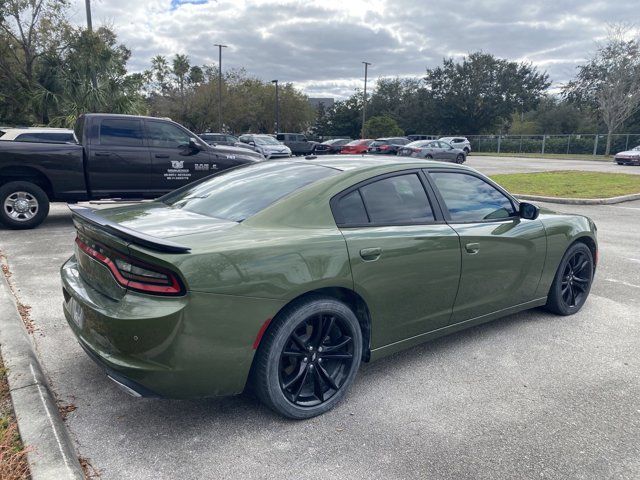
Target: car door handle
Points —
{"points": [[472, 248], [162, 155], [371, 254], [102, 154]]}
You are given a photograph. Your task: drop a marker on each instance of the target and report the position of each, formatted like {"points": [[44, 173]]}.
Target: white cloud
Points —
{"points": [[319, 44]]}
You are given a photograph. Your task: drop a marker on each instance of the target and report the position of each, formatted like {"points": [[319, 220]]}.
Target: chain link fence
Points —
{"points": [[577, 144]]}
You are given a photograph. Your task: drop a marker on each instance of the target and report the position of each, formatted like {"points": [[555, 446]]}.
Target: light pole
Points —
{"points": [[364, 103], [220, 47], [277, 129], [87, 4]]}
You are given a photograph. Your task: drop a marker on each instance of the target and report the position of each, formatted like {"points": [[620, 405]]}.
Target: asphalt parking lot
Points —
{"points": [[529, 396]]}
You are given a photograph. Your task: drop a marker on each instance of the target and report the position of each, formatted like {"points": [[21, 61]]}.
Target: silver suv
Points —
{"points": [[458, 142], [266, 145]]}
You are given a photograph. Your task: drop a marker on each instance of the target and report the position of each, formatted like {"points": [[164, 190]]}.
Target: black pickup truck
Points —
{"points": [[117, 156]]}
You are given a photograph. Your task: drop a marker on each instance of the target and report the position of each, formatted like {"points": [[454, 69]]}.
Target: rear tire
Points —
{"points": [[428, 157], [460, 158], [23, 205], [572, 283], [308, 358]]}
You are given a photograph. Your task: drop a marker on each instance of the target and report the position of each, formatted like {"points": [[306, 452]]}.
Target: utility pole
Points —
{"points": [[220, 47], [277, 129], [364, 104], [87, 4]]}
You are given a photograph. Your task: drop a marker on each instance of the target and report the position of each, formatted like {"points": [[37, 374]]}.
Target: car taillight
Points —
{"points": [[133, 274]]}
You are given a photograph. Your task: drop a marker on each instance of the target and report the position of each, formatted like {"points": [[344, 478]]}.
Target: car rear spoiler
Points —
{"points": [[133, 236]]}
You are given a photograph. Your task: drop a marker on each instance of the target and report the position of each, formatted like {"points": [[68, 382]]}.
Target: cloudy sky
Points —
{"points": [[319, 44]]}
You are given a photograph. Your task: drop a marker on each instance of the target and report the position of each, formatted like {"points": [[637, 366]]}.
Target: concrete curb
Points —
{"points": [[581, 201], [52, 453]]}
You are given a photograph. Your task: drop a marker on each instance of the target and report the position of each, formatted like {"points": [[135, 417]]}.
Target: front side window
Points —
{"points": [[166, 135], [121, 131], [392, 200], [471, 199], [239, 193]]}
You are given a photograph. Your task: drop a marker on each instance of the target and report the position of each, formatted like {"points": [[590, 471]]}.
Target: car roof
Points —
{"points": [[38, 130], [361, 163]]}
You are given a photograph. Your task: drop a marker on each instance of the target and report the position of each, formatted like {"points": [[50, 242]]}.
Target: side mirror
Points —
{"points": [[193, 144], [528, 211]]}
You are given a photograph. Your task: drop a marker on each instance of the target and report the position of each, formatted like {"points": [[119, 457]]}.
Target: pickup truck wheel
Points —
{"points": [[23, 205]]}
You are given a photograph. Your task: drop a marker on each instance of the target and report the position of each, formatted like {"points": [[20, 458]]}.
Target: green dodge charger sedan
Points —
{"points": [[286, 275]]}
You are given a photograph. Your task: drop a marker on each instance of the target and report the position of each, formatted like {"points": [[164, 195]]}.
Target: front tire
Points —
{"points": [[460, 159], [23, 205], [308, 358], [572, 283]]}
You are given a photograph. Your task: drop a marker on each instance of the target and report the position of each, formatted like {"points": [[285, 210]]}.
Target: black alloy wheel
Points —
{"points": [[460, 158], [308, 357], [576, 279], [572, 283], [316, 360]]}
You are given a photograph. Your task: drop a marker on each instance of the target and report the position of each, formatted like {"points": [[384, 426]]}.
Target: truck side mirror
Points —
{"points": [[193, 144]]}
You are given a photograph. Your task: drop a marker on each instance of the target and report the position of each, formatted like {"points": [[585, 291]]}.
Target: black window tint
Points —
{"points": [[239, 193], [350, 210], [166, 135], [470, 199], [399, 199], [120, 131]]}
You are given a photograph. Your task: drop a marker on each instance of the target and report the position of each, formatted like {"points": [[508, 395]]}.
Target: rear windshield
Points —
{"points": [[242, 192]]}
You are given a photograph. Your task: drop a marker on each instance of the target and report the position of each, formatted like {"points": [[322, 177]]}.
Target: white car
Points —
{"points": [[458, 142], [629, 157], [266, 145], [38, 135]]}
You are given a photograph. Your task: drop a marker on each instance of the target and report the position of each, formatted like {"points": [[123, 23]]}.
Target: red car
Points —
{"points": [[357, 147]]}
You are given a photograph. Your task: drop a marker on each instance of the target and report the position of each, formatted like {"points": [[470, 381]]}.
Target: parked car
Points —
{"points": [[357, 147], [297, 143], [331, 146], [266, 145], [389, 146], [416, 137], [220, 139], [118, 156], [458, 142], [38, 135], [286, 275], [629, 157], [433, 150]]}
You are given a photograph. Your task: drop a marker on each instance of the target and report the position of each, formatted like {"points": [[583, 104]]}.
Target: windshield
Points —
{"points": [[266, 140], [239, 193]]}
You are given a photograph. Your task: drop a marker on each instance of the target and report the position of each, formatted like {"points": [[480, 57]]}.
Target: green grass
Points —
{"points": [[560, 156], [572, 184]]}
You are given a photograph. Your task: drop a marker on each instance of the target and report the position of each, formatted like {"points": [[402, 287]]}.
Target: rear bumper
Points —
{"points": [[198, 345]]}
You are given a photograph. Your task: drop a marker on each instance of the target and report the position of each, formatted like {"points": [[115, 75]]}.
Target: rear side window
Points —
{"points": [[399, 199], [350, 210], [471, 199], [239, 193], [45, 137], [121, 131]]}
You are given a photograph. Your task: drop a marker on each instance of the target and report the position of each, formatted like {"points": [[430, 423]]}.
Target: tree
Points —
{"points": [[73, 94], [482, 91], [382, 126], [610, 81], [29, 30]]}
